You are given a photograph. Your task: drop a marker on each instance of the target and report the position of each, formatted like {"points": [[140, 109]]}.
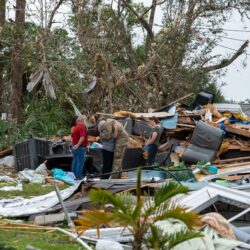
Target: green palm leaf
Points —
{"points": [[168, 191], [181, 236], [102, 197], [179, 213]]}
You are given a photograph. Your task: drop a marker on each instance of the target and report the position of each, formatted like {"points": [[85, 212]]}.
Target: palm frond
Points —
{"points": [[127, 199], [168, 191], [102, 197], [181, 236], [93, 219], [136, 213], [157, 239], [180, 213], [125, 219]]}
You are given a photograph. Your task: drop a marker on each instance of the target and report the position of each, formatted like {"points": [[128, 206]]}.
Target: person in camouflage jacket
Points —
{"points": [[115, 128]]}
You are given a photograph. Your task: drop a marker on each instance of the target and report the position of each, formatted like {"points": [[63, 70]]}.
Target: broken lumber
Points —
{"points": [[138, 115], [173, 102], [237, 131], [232, 165], [220, 162], [6, 152]]}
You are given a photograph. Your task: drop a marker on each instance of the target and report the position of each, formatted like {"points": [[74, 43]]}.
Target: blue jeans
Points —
{"points": [[152, 151], [78, 162]]}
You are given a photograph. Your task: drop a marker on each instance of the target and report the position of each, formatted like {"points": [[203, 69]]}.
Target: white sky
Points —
{"points": [[237, 78]]}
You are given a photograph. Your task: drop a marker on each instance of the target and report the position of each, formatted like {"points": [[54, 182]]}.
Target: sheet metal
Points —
{"points": [[34, 205], [205, 197]]}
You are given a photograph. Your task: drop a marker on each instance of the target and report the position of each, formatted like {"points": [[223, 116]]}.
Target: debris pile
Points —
{"points": [[205, 148]]}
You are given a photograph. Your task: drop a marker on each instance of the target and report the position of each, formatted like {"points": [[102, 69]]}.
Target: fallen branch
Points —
{"points": [[25, 228]]}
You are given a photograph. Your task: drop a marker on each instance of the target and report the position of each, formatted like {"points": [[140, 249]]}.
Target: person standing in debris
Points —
{"points": [[108, 146], [79, 140], [121, 138], [153, 142]]}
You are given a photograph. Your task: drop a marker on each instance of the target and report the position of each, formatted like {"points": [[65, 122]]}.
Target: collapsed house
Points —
{"points": [[206, 148]]}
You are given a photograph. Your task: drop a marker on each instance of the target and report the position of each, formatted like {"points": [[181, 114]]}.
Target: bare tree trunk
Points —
{"points": [[17, 71], [2, 12], [2, 22], [151, 23], [137, 243]]}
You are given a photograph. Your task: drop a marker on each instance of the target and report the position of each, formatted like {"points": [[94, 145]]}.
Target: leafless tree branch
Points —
{"points": [[224, 63]]}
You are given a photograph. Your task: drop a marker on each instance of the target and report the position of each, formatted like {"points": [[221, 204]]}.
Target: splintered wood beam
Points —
{"points": [[246, 158], [173, 102], [7, 151], [237, 131]]}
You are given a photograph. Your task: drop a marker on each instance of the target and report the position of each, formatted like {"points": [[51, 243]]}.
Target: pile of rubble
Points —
{"points": [[206, 148]]}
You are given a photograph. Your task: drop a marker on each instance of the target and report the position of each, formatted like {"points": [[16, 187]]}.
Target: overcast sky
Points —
{"points": [[237, 78]]}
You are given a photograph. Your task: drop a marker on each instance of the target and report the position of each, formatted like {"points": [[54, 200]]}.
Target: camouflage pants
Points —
{"points": [[118, 157]]}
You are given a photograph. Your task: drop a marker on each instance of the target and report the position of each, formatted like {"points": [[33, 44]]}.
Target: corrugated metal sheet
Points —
{"points": [[230, 107], [246, 109], [205, 197]]}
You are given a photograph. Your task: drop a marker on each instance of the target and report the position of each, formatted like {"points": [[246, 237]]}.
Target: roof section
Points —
{"points": [[246, 109], [230, 107]]}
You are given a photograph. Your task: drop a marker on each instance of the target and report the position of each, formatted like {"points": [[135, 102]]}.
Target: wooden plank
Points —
{"points": [[53, 181], [150, 115], [245, 148], [6, 152], [139, 115], [228, 170], [232, 165], [173, 102], [104, 114], [233, 177], [231, 160], [185, 125], [237, 131]]}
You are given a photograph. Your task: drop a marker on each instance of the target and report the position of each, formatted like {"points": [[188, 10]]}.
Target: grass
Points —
{"points": [[19, 240], [29, 190]]}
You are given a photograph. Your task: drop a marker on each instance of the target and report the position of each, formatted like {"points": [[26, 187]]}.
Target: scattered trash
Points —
{"points": [[108, 245], [18, 187], [29, 247], [7, 161], [28, 175], [6, 178], [60, 175], [42, 169]]}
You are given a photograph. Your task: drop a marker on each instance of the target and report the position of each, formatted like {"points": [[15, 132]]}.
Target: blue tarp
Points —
{"points": [[60, 175], [170, 123]]}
